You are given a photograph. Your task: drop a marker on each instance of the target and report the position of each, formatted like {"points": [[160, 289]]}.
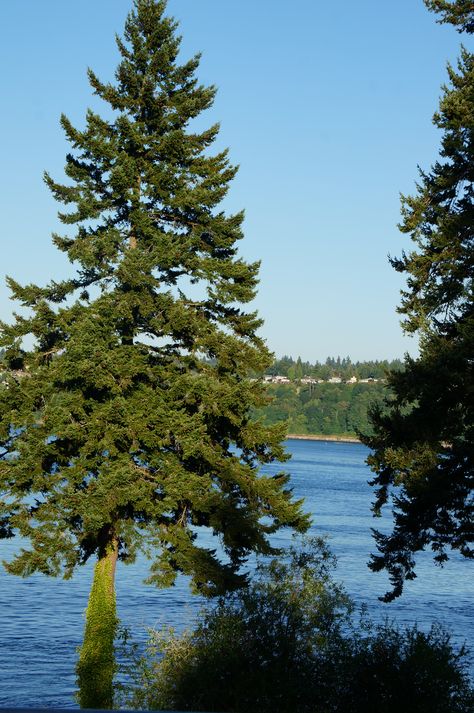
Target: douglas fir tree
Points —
{"points": [[424, 441], [127, 424], [457, 12]]}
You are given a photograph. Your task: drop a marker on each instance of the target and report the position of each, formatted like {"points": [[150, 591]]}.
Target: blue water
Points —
{"points": [[41, 619]]}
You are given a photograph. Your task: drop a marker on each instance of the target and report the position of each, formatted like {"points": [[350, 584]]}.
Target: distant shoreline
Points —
{"points": [[320, 437]]}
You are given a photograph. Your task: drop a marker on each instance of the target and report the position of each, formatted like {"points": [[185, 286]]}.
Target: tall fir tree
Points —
{"points": [[424, 440], [127, 424]]}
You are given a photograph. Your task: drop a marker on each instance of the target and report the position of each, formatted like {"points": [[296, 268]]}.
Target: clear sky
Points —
{"points": [[326, 107]]}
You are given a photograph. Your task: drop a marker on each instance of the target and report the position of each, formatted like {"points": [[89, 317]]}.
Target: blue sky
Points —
{"points": [[325, 106]]}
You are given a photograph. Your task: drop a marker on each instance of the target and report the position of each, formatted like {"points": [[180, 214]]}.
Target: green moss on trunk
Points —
{"points": [[96, 665]]}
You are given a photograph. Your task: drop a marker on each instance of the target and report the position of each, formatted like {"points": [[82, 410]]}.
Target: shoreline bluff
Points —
{"points": [[320, 437]]}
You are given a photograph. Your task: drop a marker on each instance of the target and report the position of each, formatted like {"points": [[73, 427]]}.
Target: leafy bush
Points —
{"points": [[391, 670], [287, 643]]}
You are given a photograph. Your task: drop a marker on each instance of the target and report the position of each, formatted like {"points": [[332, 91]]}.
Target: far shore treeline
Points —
{"points": [[333, 367], [332, 398]]}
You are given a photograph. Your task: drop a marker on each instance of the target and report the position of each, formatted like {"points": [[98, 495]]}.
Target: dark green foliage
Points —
{"points": [[389, 670], [424, 441], [323, 409], [287, 644], [125, 404], [456, 12]]}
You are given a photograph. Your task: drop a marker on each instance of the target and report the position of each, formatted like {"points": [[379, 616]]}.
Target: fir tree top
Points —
{"points": [[456, 12]]}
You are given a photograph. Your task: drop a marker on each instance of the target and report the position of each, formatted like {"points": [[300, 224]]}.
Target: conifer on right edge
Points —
{"points": [[423, 447]]}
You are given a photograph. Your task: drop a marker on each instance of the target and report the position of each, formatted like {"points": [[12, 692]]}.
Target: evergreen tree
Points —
{"points": [[299, 371], [125, 426], [424, 445], [456, 12]]}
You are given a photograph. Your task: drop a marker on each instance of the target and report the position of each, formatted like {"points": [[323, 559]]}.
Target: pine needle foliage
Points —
{"points": [[424, 442], [457, 12], [127, 423]]}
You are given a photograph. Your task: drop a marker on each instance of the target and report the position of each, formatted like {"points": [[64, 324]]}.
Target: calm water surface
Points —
{"points": [[41, 619]]}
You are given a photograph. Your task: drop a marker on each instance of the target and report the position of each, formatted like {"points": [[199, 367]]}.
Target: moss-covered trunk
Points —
{"points": [[96, 665]]}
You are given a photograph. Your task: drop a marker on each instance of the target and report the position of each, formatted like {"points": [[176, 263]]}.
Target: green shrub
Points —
{"points": [[392, 670], [287, 644]]}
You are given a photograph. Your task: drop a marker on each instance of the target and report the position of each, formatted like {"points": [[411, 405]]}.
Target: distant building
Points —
{"points": [[281, 380], [335, 380], [276, 379], [352, 380]]}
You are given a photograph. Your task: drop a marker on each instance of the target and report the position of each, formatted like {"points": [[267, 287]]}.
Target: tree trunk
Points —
{"points": [[96, 665]]}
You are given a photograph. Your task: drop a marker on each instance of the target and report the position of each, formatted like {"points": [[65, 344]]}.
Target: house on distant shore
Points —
{"points": [[276, 379]]}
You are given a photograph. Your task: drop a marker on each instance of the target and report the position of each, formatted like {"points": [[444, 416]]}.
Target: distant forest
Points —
{"points": [[344, 368], [325, 408]]}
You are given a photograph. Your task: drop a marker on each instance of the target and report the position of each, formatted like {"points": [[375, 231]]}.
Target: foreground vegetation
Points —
{"points": [[288, 643]]}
